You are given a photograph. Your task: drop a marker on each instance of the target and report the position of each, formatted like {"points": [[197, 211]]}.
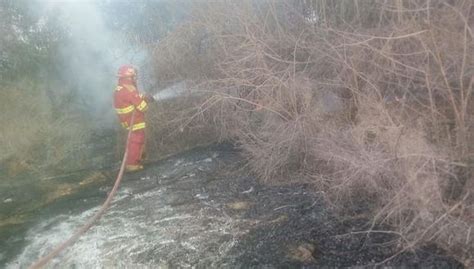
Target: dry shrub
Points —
{"points": [[398, 174], [412, 88], [179, 125], [371, 99], [177, 60]]}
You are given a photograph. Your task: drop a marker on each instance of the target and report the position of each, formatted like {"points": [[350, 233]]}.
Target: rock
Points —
{"points": [[248, 191], [162, 265], [280, 219], [8, 200], [202, 196], [94, 178], [303, 253], [467, 263], [239, 205]]}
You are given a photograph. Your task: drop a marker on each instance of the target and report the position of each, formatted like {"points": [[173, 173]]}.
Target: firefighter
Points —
{"points": [[128, 100]]}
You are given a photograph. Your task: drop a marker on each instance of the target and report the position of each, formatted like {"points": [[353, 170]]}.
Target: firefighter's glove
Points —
{"points": [[149, 98]]}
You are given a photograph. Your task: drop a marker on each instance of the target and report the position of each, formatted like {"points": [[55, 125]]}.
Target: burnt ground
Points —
{"points": [[267, 226], [198, 210]]}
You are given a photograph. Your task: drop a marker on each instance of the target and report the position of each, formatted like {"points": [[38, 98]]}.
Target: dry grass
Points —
{"points": [[35, 132], [370, 99]]}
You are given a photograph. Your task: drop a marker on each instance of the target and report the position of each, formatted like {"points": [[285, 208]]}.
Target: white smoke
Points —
{"points": [[92, 53]]}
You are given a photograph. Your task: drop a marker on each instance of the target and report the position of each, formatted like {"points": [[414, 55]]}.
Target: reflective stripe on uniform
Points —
{"points": [[138, 126], [125, 110], [142, 106], [135, 127]]}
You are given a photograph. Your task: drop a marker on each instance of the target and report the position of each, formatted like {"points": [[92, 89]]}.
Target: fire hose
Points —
{"points": [[79, 232]]}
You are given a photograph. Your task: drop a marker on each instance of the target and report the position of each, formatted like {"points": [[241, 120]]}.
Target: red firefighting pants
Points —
{"points": [[135, 147]]}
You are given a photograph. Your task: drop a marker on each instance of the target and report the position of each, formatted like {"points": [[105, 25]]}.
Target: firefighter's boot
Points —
{"points": [[133, 168]]}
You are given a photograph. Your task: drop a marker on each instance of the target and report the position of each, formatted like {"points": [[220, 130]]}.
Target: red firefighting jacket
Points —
{"points": [[127, 99]]}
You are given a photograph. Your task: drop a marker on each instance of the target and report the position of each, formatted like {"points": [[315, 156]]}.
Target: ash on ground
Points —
{"points": [[195, 211]]}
